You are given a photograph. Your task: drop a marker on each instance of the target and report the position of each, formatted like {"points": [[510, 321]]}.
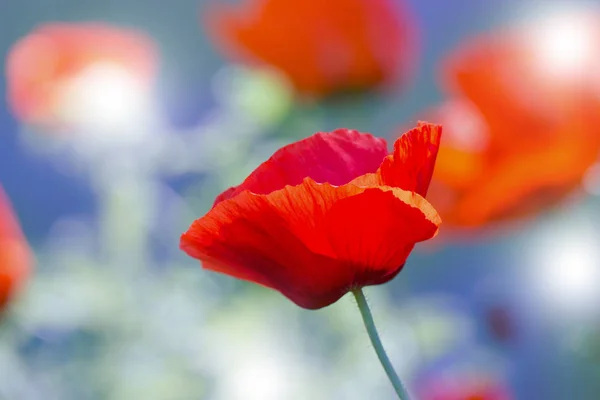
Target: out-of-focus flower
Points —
{"points": [[463, 387], [328, 214], [521, 127], [62, 69], [15, 256], [322, 46], [500, 323]]}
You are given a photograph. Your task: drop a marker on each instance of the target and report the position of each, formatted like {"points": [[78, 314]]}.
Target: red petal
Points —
{"points": [[312, 242], [225, 195], [516, 88], [15, 257], [411, 166], [335, 158], [376, 230]]}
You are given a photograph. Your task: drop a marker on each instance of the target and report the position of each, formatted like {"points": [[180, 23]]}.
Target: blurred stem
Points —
{"points": [[376, 341], [127, 204]]}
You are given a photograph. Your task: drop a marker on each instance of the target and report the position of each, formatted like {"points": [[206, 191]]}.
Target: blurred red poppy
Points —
{"points": [[325, 215], [322, 46], [521, 131], [42, 65], [464, 388], [15, 256]]}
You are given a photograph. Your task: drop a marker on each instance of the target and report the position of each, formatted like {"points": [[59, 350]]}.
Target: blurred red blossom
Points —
{"points": [[463, 388], [522, 123], [322, 46], [15, 255], [43, 66], [323, 216]]}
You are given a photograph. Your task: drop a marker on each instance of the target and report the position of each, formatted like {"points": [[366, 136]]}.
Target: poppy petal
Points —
{"points": [[15, 257], [411, 165], [517, 186], [367, 180], [225, 195], [336, 158], [376, 230], [312, 242], [322, 47]]}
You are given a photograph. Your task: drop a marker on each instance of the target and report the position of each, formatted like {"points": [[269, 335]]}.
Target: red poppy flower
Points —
{"points": [[15, 257], [322, 46], [324, 215], [42, 65], [464, 388], [520, 133]]}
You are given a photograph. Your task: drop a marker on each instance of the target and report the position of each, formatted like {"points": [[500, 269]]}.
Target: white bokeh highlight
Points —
{"points": [[563, 268], [565, 45], [105, 98]]}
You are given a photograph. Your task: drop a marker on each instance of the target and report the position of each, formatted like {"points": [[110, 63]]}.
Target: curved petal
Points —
{"points": [[411, 165], [228, 193], [475, 184], [462, 155], [335, 158], [376, 230], [526, 182], [312, 242]]}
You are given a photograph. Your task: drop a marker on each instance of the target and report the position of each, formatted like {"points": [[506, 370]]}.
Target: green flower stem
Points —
{"points": [[376, 341]]}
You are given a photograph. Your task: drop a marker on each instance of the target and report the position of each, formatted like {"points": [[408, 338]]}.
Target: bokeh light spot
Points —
{"points": [[565, 45], [566, 270], [104, 97]]}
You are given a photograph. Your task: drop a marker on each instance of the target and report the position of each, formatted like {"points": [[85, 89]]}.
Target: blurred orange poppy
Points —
{"points": [[322, 46], [521, 129], [42, 65], [323, 216], [15, 256]]}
